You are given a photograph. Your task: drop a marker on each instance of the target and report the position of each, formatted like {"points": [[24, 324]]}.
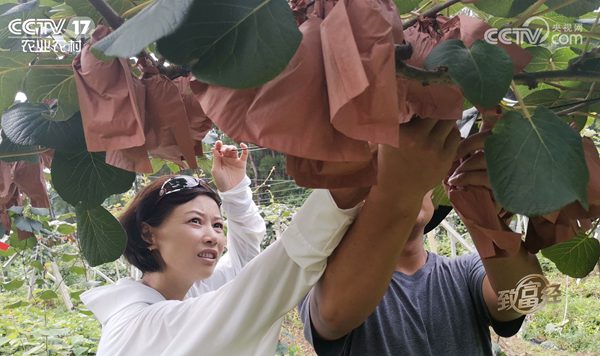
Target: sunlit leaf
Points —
{"points": [[405, 6], [505, 8], [574, 9]]}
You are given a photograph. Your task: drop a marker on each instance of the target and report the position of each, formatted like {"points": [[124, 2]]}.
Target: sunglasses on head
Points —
{"points": [[178, 183]]}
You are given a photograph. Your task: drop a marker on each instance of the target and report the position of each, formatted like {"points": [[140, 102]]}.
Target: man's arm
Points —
{"points": [[360, 269], [502, 272]]}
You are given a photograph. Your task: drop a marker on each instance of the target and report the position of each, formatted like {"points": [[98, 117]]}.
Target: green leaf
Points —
{"points": [[65, 229], [76, 294], [505, 8], [561, 57], [545, 97], [155, 21], [47, 294], [84, 8], [77, 270], [536, 166], [31, 124], [68, 257], [10, 152], [22, 245], [40, 211], [576, 257], [101, 236], [405, 6], [540, 59], [13, 67], [16, 209], [13, 285], [53, 79], [15, 305], [575, 9], [483, 72], [84, 177], [25, 224], [234, 43], [37, 265]]}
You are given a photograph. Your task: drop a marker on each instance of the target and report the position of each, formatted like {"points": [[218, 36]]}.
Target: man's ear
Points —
{"points": [[148, 235]]}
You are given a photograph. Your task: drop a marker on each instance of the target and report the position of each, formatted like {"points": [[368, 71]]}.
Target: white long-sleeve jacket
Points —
{"points": [[240, 317]]}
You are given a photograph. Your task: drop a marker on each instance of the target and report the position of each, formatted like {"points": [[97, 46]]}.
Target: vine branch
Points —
{"points": [[112, 18], [441, 76], [430, 13], [520, 100]]}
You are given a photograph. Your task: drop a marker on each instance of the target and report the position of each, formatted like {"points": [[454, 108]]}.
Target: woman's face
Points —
{"points": [[191, 239]]}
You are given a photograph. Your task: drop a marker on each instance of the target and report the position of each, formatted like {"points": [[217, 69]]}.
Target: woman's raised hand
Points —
{"points": [[228, 168]]}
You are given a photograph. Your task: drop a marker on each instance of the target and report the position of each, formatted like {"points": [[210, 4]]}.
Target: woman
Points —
{"points": [[176, 237]]}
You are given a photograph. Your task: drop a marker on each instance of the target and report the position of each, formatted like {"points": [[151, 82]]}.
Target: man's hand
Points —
{"points": [[228, 169], [423, 158]]}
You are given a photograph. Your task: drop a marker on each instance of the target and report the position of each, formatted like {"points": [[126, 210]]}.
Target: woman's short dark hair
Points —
{"points": [[145, 209]]}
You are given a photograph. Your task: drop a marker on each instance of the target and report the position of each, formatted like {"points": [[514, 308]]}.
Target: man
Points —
{"points": [[382, 293]]}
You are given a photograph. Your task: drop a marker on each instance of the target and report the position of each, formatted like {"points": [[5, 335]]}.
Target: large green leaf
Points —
{"points": [[561, 57], [101, 236], [83, 177], [575, 9], [234, 43], [13, 67], [84, 8], [405, 6], [483, 72], [536, 166], [543, 59], [30, 124], [10, 151], [576, 257], [540, 58], [504, 8], [53, 79], [544, 97], [155, 21]]}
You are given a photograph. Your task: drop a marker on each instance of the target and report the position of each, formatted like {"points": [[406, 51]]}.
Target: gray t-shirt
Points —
{"points": [[439, 310]]}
